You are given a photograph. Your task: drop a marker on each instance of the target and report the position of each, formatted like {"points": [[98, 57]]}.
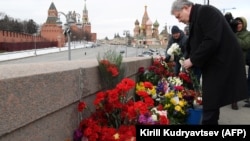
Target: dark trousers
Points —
{"points": [[210, 117], [177, 68], [197, 73]]}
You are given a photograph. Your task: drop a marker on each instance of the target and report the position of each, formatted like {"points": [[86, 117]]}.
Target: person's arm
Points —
{"points": [[244, 40], [209, 29]]}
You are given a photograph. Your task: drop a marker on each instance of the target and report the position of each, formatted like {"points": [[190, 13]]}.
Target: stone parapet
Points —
{"points": [[38, 101]]}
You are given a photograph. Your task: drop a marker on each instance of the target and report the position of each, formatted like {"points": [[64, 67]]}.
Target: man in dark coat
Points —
{"points": [[180, 38], [212, 46]]}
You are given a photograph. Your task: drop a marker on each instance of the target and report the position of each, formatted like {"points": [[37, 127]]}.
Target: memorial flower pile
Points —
{"points": [[174, 93], [166, 96], [161, 98], [116, 114], [115, 111]]}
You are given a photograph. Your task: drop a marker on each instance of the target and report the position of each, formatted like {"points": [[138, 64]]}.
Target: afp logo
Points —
{"points": [[233, 132]]}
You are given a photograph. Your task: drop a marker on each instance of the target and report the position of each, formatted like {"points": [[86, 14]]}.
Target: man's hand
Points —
{"points": [[187, 64]]}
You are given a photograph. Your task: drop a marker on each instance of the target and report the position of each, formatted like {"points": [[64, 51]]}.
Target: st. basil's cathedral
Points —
{"points": [[147, 33]]}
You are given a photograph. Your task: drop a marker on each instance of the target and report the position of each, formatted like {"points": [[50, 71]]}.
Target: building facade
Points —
{"points": [[53, 31]]}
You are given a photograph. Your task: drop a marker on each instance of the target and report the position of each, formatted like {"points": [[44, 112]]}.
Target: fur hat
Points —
{"points": [[238, 19], [175, 29]]}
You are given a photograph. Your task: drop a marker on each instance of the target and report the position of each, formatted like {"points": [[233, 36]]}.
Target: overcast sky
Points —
{"points": [[109, 17]]}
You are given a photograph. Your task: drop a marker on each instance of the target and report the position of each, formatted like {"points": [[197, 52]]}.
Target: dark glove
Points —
{"points": [[167, 58], [176, 58]]}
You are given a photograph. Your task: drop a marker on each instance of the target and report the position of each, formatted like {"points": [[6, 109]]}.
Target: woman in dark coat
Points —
{"points": [[213, 47]]}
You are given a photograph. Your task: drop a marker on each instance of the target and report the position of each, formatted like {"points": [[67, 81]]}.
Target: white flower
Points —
{"points": [[154, 109], [199, 98], [154, 117], [181, 61], [175, 81], [174, 49], [154, 96], [162, 113], [157, 112]]}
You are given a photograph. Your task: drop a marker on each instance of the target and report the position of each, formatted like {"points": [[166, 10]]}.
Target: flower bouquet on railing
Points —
{"points": [[111, 69]]}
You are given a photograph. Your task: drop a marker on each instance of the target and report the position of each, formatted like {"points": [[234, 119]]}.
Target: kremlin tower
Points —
{"points": [[51, 31]]}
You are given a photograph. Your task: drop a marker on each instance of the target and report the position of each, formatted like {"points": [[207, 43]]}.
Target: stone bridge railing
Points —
{"points": [[38, 102]]}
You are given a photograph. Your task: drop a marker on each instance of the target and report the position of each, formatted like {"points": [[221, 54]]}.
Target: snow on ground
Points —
{"points": [[28, 53]]}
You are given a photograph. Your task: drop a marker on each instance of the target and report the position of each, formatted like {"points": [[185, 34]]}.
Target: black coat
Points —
{"points": [[213, 47]]}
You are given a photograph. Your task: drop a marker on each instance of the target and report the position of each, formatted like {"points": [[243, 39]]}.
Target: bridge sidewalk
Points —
{"points": [[228, 116]]}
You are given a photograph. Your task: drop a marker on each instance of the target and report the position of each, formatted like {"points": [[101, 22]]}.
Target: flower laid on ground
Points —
{"points": [[158, 116], [176, 105]]}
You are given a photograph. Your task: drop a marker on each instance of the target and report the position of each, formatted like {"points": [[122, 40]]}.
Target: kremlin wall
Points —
{"points": [[51, 34]]}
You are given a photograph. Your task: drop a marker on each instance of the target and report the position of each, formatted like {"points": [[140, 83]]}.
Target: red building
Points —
{"points": [[51, 34], [51, 31]]}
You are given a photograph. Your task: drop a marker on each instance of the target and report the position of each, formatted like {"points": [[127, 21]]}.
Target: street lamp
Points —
{"points": [[59, 42], [206, 2], [35, 45], [224, 9], [127, 34], [69, 20]]}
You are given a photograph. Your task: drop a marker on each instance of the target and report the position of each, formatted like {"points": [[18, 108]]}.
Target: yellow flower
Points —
{"points": [[152, 91], [183, 112], [178, 108], [169, 94], [166, 106], [181, 103], [140, 86], [173, 101], [179, 94]]}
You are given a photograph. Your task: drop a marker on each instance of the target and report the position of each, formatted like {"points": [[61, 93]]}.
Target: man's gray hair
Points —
{"points": [[179, 4]]}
